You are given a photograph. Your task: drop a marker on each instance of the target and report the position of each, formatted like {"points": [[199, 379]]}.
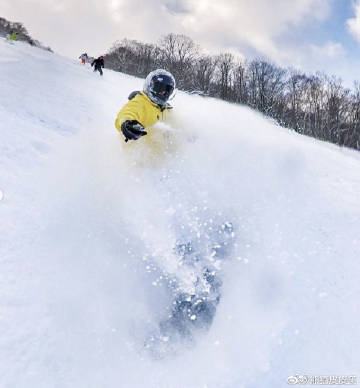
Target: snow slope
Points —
{"points": [[89, 225]]}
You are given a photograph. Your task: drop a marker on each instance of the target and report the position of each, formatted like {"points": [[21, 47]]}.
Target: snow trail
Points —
{"points": [[89, 227]]}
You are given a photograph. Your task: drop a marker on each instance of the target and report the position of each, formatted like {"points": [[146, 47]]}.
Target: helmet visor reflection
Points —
{"points": [[161, 89]]}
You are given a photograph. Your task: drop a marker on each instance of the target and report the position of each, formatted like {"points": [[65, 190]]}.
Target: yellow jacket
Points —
{"points": [[152, 149], [141, 109]]}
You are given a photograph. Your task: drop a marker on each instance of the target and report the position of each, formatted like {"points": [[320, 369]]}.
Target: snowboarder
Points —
{"points": [[84, 58], [147, 107], [98, 64]]}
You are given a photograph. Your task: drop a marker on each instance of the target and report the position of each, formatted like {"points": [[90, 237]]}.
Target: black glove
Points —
{"points": [[132, 130]]}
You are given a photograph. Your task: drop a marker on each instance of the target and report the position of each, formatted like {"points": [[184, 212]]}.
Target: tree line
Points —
{"points": [[7, 28], [315, 105]]}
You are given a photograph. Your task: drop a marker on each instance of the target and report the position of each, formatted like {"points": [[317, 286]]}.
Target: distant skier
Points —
{"points": [[147, 107], [84, 58], [13, 37], [98, 64]]}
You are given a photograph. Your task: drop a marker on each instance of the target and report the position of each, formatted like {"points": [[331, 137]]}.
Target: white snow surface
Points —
{"points": [[82, 216]]}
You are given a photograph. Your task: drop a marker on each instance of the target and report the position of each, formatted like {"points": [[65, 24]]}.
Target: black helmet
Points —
{"points": [[159, 86]]}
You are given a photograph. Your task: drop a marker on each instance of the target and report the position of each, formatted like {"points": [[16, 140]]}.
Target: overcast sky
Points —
{"points": [[308, 34]]}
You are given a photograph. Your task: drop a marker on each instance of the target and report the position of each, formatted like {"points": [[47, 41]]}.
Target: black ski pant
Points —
{"points": [[99, 69]]}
